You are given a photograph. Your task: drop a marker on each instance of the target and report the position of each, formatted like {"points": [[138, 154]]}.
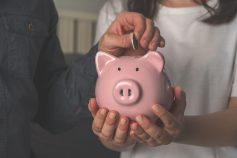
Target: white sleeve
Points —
{"points": [[107, 15]]}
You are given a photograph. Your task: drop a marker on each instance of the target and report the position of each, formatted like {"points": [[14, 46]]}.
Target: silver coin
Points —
{"points": [[134, 42]]}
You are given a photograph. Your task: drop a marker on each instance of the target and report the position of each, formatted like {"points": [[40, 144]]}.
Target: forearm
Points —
{"points": [[117, 147], [216, 129], [63, 90]]}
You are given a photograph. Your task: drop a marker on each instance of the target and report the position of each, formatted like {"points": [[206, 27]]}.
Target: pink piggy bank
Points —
{"points": [[131, 85]]}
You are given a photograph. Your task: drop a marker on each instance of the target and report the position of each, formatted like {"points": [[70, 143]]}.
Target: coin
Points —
{"points": [[134, 42]]}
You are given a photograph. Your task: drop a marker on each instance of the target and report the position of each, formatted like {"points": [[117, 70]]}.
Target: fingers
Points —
{"points": [[172, 125], [148, 34], [140, 131], [107, 125], [155, 41], [113, 43], [166, 117], [179, 106], [156, 134], [131, 21], [110, 124], [99, 120], [151, 38], [121, 133], [93, 107], [133, 133]]}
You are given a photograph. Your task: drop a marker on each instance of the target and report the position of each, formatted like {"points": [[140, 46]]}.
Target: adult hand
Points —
{"points": [[154, 135], [117, 39]]}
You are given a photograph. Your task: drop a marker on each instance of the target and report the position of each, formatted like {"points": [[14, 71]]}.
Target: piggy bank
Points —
{"points": [[131, 85]]}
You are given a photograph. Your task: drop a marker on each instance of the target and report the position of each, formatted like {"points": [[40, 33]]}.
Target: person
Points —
{"points": [[35, 83], [200, 53]]}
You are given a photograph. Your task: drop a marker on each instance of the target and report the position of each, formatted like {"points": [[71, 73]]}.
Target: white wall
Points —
{"points": [[80, 5]]}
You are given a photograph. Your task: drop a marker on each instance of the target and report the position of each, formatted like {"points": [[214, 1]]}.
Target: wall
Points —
{"points": [[82, 5]]}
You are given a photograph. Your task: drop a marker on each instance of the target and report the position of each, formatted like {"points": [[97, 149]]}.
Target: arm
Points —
{"points": [[216, 129], [211, 130], [63, 90]]}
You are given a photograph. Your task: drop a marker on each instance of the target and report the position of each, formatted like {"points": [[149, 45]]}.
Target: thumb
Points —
{"points": [[179, 103]]}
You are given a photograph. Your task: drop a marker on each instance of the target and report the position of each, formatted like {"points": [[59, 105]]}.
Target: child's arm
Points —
{"points": [[213, 130], [216, 129]]}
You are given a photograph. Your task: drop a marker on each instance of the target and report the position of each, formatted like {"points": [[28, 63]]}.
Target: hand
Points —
{"points": [[154, 135], [117, 39], [109, 126]]}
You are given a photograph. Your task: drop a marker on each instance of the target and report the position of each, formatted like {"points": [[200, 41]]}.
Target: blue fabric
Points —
{"points": [[35, 82]]}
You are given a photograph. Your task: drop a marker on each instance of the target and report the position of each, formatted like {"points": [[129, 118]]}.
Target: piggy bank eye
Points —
{"points": [[119, 69], [137, 69]]}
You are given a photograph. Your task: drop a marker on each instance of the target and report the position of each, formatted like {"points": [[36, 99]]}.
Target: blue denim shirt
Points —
{"points": [[35, 82]]}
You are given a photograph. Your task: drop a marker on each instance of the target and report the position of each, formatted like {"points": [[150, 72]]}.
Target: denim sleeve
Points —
{"points": [[63, 90]]}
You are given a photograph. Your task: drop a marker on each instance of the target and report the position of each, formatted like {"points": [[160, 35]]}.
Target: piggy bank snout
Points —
{"points": [[126, 92]]}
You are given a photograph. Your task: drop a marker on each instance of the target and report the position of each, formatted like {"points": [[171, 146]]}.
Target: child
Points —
{"points": [[200, 53]]}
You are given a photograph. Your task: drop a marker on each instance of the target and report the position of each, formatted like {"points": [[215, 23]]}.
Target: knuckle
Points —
{"points": [[122, 128], [145, 137], [124, 42], [106, 137], [150, 140], [147, 125], [158, 135], [95, 129], [119, 140], [171, 124], [105, 37], [140, 16]]}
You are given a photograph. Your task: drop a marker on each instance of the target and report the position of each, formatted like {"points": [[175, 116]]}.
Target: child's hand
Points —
{"points": [[152, 134], [109, 126]]}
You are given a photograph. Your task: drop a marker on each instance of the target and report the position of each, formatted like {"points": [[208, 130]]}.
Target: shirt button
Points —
{"points": [[30, 27]]}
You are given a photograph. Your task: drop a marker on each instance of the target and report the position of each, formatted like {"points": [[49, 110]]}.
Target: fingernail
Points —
{"points": [[159, 109], [92, 101], [102, 111], [134, 126], [112, 115], [139, 118], [123, 121], [162, 43], [156, 108]]}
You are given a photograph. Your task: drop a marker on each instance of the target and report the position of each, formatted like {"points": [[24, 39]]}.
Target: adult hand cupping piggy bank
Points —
{"points": [[131, 85]]}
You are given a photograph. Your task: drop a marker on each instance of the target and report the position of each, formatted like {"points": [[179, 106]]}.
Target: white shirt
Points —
{"points": [[201, 59]]}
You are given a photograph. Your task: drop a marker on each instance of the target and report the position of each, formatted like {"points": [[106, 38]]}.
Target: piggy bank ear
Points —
{"points": [[101, 60], [155, 59]]}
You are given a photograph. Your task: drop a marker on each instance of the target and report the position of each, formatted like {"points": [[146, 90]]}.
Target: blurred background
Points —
{"points": [[76, 31]]}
